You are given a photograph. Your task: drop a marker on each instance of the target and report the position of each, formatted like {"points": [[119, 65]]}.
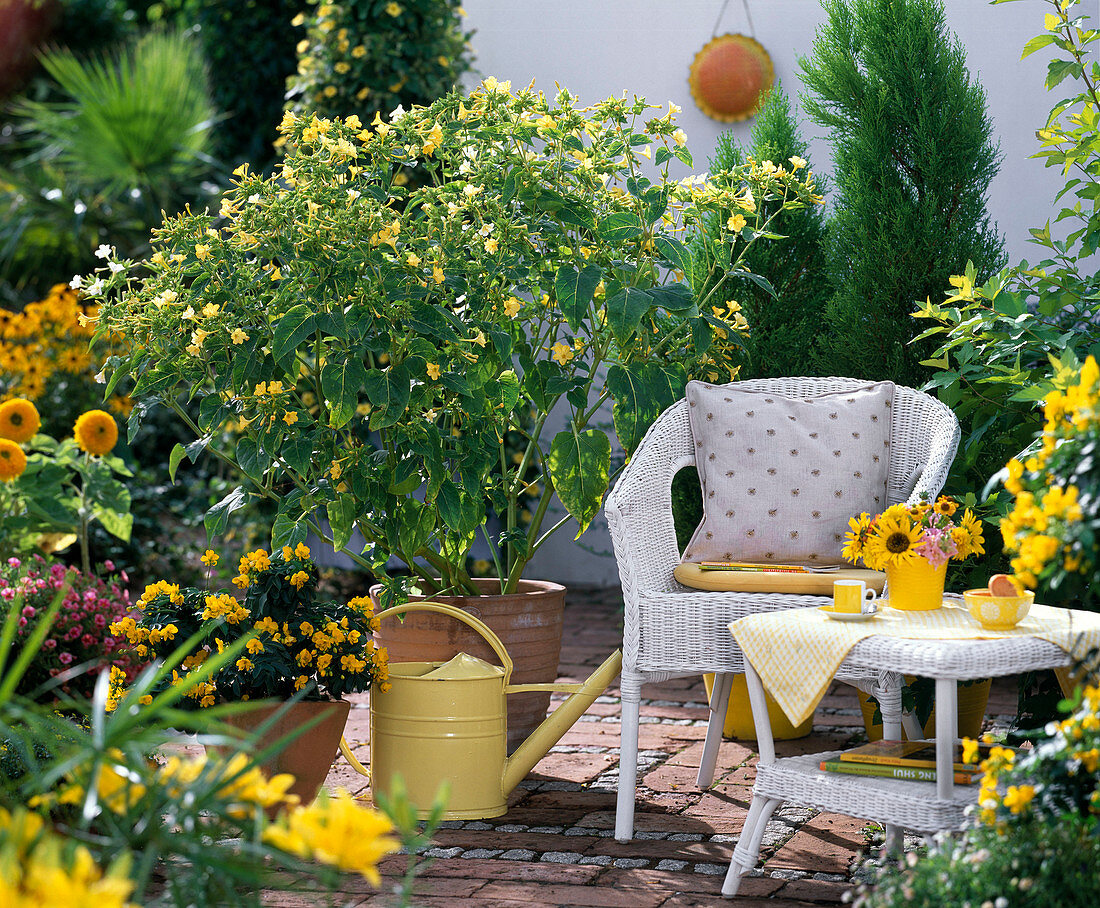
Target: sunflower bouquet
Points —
{"points": [[294, 641], [904, 532], [51, 491]]}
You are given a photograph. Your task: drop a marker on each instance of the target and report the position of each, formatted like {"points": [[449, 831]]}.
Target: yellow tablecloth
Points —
{"points": [[797, 652]]}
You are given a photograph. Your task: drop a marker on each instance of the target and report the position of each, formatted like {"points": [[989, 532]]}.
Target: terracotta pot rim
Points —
{"points": [[276, 703], [525, 588]]}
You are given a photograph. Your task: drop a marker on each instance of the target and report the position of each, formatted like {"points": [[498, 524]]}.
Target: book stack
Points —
{"points": [[913, 761]]}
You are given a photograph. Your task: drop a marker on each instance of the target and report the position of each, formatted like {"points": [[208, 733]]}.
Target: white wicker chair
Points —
{"points": [[671, 630]]}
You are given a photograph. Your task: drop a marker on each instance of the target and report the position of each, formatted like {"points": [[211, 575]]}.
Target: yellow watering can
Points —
{"points": [[447, 721]]}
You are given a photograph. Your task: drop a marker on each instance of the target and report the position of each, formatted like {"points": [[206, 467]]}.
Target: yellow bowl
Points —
{"points": [[998, 613]]}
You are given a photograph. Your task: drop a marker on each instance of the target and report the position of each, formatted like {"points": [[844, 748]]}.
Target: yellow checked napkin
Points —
{"points": [[797, 651]]}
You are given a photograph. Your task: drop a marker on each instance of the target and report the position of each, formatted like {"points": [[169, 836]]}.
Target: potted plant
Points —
{"points": [[298, 649], [389, 358], [913, 543]]}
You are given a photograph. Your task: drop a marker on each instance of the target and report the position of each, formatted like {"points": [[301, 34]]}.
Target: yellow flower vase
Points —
{"points": [[915, 586]]}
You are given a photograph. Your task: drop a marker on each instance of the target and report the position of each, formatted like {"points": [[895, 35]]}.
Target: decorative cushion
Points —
{"points": [[782, 476], [796, 584]]}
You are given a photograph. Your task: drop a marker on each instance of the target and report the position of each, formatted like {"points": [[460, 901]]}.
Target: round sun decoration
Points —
{"points": [[728, 76]]}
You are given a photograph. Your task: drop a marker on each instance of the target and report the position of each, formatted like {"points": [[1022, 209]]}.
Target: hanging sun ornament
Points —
{"points": [[728, 76]]}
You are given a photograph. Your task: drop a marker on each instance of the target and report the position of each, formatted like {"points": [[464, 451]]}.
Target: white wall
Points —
{"points": [[599, 48]]}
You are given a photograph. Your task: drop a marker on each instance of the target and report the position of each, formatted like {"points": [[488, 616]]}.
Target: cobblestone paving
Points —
{"points": [[555, 844]]}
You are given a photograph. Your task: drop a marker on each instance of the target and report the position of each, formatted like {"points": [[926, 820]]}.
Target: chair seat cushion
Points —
{"points": [[782, 476], [689, 574]]}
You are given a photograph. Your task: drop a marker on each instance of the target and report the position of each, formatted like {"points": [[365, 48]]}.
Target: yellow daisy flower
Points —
{"points": [[19, 420], [96, 432], [12, 460]]}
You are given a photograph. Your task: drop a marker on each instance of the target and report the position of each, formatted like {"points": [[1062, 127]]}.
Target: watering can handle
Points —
{"points": [[466, 618]]}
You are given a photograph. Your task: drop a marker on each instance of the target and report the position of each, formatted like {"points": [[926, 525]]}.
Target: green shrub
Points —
{"points": [[90, 25], [1041, 864], [249, 46], [368, 57], [1003, 346], [913, 157], [784, 328]]}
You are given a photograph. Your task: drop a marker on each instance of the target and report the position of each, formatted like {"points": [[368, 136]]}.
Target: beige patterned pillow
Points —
{"points": [[782, 476]]}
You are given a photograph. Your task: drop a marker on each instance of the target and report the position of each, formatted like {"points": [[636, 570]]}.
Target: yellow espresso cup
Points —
{"points": [[853, 596]]}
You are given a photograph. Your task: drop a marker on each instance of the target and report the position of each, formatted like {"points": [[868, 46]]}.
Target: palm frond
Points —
{"points": [[140, 119]]}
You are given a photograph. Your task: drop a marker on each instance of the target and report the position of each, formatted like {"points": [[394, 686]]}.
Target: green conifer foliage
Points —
{"points": [[785, 329], [913, 157]]}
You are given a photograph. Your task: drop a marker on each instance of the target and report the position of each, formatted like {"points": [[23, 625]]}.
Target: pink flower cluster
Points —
{"points": [[937, 545], [80, 639]]}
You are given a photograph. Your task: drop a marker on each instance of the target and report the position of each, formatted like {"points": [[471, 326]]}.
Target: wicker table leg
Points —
{"points": [[747, 852], [947, 728], [887, 691]]}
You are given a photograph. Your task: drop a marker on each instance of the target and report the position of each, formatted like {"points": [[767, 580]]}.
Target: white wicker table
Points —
{"points": [[920, 806]]}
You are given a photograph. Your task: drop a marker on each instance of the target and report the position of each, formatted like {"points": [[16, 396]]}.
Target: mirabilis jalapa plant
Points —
{"points": [[371, 346]]}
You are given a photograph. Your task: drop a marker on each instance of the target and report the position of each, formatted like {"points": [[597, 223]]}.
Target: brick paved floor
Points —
{"points": [[555, 845]]}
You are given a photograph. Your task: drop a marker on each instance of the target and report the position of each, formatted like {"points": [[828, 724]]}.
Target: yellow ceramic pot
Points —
{"points": [[973, 698], [998, 613], [915, 586], [739, 722]]}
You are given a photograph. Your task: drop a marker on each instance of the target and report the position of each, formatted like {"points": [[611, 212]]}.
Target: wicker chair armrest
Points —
{"points": [[941, 453], [639, 508]]}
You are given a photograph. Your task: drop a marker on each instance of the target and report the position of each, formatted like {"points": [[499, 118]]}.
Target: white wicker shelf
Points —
{"points": [[913, 805]]}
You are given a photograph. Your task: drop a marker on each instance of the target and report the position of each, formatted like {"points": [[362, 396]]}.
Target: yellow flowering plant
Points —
{"points": [[45, 357], [1030, 841], [933, 531], [52, 491], [1052, 528], [378, 350], [292, 641], [1061, 774], [41, 867], [1004, 344], [99, 807]]}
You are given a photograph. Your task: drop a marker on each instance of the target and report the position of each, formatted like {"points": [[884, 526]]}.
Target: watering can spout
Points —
{"points": [[559, 721]]}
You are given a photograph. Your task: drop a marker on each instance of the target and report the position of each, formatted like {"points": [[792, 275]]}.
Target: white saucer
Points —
{"points": [[831, 612]]}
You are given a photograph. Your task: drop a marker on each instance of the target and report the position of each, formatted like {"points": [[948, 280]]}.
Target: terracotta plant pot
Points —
{"points": [[972, 701], [529, 622], [309, 756]]}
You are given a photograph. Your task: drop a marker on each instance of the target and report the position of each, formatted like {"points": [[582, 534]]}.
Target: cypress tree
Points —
{"points": [[783, 330], [913, 157]]}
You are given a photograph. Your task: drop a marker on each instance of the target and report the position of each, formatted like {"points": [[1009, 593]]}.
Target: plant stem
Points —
{"points": [[85, 555]]}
